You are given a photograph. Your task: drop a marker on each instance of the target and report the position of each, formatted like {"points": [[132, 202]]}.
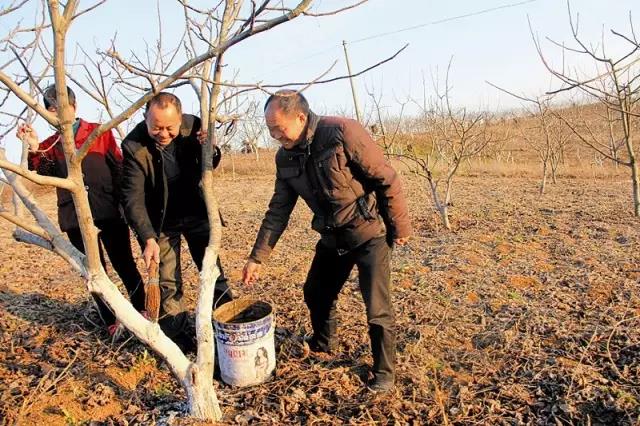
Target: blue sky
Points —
{"points": [[494, 46]]}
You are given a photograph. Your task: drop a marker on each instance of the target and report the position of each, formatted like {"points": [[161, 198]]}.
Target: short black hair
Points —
{"points": [[163, 99], [50, 96], [289, 102]]}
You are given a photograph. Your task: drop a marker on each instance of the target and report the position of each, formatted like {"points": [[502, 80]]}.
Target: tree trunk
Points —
{"points": [[554, 171], [543, 182], [444, 216], [636, 186], [203, 402], [233, 166], [442, 208]]}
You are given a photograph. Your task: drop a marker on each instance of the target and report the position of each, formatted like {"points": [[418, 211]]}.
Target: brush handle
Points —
{"points": [[153, 270]]}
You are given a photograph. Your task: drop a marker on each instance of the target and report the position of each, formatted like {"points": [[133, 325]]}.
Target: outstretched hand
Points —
{"points": [[251, 272]]}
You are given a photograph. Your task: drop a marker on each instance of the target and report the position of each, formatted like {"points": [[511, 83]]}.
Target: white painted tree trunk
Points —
{"points": [[442, 208]]}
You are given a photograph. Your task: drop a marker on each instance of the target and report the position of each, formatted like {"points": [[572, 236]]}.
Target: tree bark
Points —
{"points": [[543, 181]]}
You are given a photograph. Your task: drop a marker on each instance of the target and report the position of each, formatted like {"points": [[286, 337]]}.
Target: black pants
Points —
{"points": [[327, 275], [113, 235], [196, 233]]}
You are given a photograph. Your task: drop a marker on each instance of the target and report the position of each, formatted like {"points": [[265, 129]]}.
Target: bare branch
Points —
{"points": [[45, 26], [28, 99], [36, 178], [335, 12], [28, 226], [12, 7], [302, 6]]}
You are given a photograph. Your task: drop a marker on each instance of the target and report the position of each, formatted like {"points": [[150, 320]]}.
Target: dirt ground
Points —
{"points": [[528, 312]]}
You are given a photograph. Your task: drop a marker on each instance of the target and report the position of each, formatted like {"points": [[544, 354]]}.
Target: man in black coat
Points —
{"points": [[163, 201]]}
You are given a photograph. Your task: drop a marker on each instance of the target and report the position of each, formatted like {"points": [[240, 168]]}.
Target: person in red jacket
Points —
{"points": [[102, 172]]}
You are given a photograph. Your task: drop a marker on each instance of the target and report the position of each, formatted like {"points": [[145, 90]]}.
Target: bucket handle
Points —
{"points": [[215, 302]]}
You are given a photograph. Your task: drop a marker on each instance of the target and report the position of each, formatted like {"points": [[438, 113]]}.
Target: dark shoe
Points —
{"points": [[186, 343], [381, 384], [217, 374], [316, 346]]}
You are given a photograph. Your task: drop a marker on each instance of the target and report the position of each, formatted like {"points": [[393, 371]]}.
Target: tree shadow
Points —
{"points": [[41, 310], [49, 342]]}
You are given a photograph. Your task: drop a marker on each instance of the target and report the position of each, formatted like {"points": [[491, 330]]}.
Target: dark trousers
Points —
{"points": [[327, 275], [196, 232], [113, 237]]}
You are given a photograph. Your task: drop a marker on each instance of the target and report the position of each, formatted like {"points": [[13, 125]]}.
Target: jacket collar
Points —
{"points": [[312, 124], [309, 133], [83, 130], [80, 133]]}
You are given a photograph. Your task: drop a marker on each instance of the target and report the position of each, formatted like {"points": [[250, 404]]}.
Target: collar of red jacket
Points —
{"points": [[83, 132]]}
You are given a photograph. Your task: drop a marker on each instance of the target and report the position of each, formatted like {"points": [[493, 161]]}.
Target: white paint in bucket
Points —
{"points": [[245, 341]]}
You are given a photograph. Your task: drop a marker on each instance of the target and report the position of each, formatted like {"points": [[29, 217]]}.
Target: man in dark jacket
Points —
{"points": [[359, 210], [163, 200], [102, 171]]}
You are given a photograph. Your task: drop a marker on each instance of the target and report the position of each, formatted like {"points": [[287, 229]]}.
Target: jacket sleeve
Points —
{"points": [[275, 220], [113, 156], [369, 161], [133, 196], [43, 162]]}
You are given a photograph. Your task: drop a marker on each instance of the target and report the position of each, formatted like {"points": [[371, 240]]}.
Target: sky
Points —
{"points": [[486, 40]]}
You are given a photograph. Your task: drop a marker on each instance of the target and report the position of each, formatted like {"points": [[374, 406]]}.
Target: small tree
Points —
{"points": [[616, 87], [547, 136], [450, 136]]}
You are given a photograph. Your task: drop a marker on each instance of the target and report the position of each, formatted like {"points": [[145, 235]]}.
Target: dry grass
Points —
{"points": [[526, 313]]}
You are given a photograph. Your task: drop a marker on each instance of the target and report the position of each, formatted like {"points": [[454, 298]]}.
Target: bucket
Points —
{"points": [[244, 331]]}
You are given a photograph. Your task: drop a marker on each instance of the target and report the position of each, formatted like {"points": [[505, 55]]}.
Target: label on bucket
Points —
{"points": [[246, 351], [243, 334]]}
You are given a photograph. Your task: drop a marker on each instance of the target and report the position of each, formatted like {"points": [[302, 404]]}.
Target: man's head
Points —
{"points": [[50, 98], [163, 117], [286, 113]]}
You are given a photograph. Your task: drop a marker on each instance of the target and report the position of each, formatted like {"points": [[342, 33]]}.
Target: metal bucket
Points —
{"points": [[244, 330]]}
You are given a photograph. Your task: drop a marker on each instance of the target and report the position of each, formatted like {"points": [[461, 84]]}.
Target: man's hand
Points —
{"points": [[202, 136], [251, 272], [151, 251], [401, 241], [29, 136]]}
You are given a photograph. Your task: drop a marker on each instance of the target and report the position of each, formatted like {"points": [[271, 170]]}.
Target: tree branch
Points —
{"points": [[302, 6]]}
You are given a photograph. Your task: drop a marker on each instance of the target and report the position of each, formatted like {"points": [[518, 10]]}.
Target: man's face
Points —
{"points": [[286, 129], [54, 109], [163, 124]]}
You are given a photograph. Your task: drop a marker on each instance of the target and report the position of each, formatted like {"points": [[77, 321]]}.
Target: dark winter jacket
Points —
{"points": [[101, 169], [144, 187], [344, 178]]}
